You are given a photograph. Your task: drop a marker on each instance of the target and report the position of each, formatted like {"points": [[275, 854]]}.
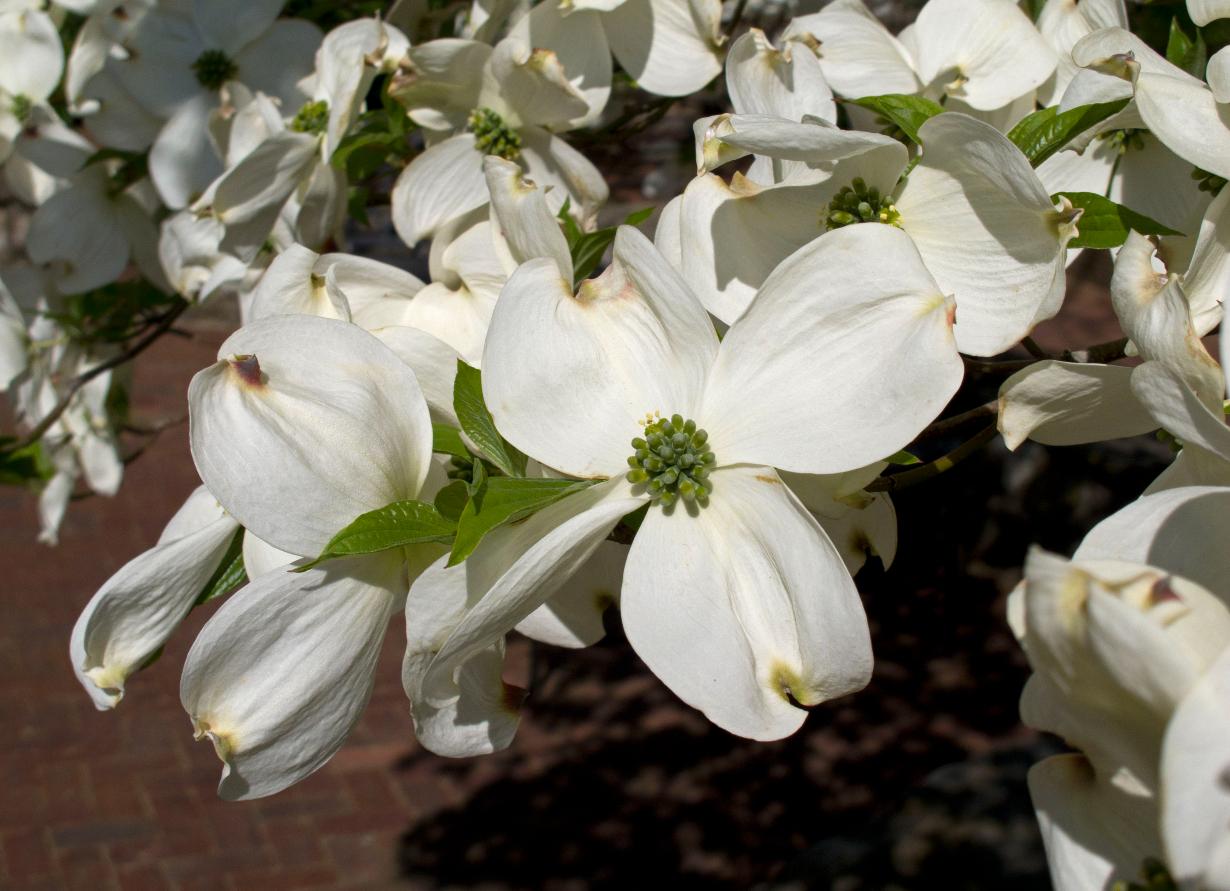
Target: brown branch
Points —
{"points": [[984, 412], [164, 324], [1100, 352]]}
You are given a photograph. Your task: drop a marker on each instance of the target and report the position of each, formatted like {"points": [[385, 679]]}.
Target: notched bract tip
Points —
{"points": [[248, 369]]}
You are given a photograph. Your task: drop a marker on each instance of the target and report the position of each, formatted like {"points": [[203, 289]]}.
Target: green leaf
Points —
{"points": [[229, 575], [19, 467], [588, 248], [392, 526], [1105, 224], [447, 440], [907, 112], [572, 232], [1190, 55], [476, 421], [507, 500], [452, 500], [903, 459], [1046, 131], [478, 480]]}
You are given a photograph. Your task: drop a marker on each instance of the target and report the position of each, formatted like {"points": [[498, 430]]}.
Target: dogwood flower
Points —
{"points": [[1116, 650], [1063, 23], [303, 424], [509, 101], [725, 543], [974, 208]]}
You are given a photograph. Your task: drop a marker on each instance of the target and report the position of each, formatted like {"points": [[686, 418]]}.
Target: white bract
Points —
{"points": [[303, 424]]}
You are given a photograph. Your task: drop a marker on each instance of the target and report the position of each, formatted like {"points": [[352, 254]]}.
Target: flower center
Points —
{"points": [[313, 117], [21, 107], [1123, 141], [213, 68], [492, 136], [856, 203], [673, 461]]}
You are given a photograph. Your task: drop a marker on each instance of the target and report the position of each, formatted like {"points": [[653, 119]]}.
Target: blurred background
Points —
{"points": [[915, 783]]}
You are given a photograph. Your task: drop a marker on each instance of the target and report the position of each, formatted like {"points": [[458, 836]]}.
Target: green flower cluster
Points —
{"points": [[857, 203], [673, 460], [213, 68], [313, 117], [492, 136]]}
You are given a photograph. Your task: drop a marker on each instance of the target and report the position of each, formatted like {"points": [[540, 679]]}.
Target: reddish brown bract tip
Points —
{"points": [[248, 369]]}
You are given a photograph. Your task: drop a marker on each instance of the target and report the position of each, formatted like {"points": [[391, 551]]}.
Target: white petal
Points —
{"points": [[858, 523], [670, 47], [280, 674], [570, 380], [441, 81], [329, 425], [843, 357], [141, 605], [231, 24], [261, 558], [434, 364], [526, 222], [1196, 784], [1155, 181], [76, 231], [1064, 23], [788, 83], [291, 286], [120, 120], [1180, 530], [182, 163], [987, 231], [569, 49], [32, 52], [859, 56], [991, 44], [280, 58], [1178, 410], [1205, 11], [420, 206], [1207, 279], [511, 573], [1185, 116], [564, 173], [1094, 832], [745, 606], [573, 616], [1070, 403], [248, 198], [157, 71], [732, 237], [1156, 317]]}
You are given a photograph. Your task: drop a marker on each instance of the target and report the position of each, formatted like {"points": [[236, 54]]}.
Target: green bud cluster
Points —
{"points": [[857, 203], [1124, 140], [673, 461], [1208, 182], [213, 68], [313, 117], [1156, 878], [21, 107], [492, 136], [460, 468]]}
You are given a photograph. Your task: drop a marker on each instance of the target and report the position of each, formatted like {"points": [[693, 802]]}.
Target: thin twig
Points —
{"points": [[987, 410], [1005, 366], [1034, 350], [164, 324], [934, 468], [1101, 352], [736, 19]]}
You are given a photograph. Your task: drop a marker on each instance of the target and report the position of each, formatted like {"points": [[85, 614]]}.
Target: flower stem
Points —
{"points": [[934, 468]]}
